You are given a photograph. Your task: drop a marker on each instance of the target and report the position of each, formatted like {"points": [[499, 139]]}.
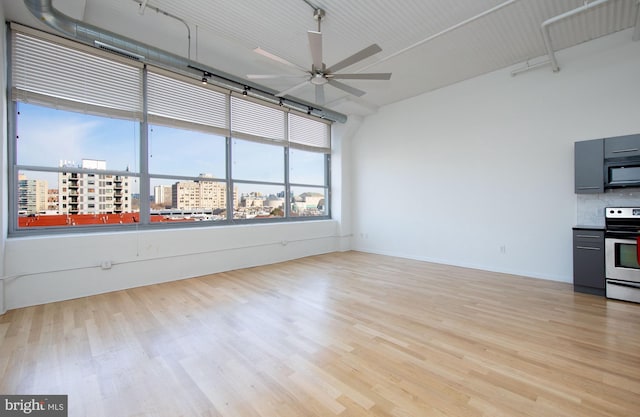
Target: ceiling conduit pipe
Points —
{"points": [[442, 32], [143, 5], [44, 11], [545, 28], [636, 31]]}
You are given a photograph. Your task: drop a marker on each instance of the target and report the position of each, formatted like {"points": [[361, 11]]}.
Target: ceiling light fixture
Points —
{"points": [[246, 89]]}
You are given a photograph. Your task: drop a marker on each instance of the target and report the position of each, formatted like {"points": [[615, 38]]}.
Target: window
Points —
{"points": [[260, 202], [182, 152], [104, 142], [308, 201], [66, 171], [307, 167], [258, 174], [257, 161], [179, 200], [86, 156]]}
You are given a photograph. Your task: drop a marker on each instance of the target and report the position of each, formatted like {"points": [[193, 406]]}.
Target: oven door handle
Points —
{"points": [[638, 249], [623, 284]]}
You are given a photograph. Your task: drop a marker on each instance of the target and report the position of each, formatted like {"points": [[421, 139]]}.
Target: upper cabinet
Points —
{"points": [[622, 146], [607, 163], [589, 166]]}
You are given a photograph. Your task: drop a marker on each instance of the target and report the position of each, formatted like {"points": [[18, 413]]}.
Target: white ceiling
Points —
{"points": [[225, 33]]}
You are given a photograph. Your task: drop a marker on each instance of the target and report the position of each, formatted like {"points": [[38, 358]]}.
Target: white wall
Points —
{"points": [[3, 160], [46, 269], [341, 172], [487, 164]]}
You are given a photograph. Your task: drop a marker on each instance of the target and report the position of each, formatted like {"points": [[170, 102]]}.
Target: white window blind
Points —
{"points": [[254, 121], [174, 99], [55, 74], [309, 134]]}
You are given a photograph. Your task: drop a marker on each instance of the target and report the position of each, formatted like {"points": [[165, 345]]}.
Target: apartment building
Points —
{"points": [[162, 196], [32, 195], [92, 193], [201, 194]]}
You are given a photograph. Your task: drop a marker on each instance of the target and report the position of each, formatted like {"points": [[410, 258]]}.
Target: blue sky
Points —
{"points": [[46, 136]]}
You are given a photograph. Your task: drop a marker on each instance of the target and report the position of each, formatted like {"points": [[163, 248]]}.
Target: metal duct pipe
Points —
{"points": [[92, 35], [547, 36]]}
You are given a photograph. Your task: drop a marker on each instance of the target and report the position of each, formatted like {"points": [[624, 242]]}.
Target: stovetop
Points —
{"points": [[622, 222]]}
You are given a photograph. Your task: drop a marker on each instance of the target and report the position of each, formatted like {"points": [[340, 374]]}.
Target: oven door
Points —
{"points": [[621, 259]]}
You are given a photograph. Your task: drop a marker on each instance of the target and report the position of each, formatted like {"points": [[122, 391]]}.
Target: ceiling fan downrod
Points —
{"points": [[318, 14]]}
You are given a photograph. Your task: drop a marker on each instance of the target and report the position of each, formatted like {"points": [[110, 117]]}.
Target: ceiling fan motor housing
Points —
{"points": [[318, 79]]}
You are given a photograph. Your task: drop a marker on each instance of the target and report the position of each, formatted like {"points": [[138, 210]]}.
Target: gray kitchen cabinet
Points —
{"points": [[589, 166], [622, 146], [588, 261]]}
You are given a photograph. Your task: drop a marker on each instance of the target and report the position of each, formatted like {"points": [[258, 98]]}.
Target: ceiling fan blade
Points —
{"points": [[277, 58], [357, 57], [351, 90], [294, 88], [368, 76], [273, 76], [320, 94], [315, 45]]}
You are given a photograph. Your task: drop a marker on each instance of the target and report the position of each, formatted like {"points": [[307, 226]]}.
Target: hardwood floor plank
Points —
{"points": [[344, 334]]}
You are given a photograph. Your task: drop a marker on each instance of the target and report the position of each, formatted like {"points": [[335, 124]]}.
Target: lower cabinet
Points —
{"points": [[588, 261]]}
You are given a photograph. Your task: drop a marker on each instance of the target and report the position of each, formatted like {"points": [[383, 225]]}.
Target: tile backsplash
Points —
{"points": [[590, 207]]}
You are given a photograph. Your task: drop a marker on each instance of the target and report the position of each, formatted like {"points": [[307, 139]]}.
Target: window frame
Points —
{"points": [[144, 121]]}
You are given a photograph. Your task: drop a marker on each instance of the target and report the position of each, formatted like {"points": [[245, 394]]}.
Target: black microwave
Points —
{"points": [[623, 172]]}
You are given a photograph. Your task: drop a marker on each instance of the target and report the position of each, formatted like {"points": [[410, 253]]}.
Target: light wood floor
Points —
{"points": [[347, 334]]}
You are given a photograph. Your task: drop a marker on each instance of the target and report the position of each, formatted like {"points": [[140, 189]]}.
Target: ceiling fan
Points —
{"points": [[319, 75]]}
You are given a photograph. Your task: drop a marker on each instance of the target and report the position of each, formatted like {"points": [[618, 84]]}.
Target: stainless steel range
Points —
{"points": [[622, 252]]}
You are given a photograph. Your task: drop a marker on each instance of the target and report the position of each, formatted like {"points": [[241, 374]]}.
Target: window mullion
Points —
{"points": [[287, 186], [230, 185], [145, 187], [229, 157], [327, 185]]}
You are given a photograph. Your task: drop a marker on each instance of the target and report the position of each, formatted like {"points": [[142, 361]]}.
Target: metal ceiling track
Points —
{"points": [[91, 35]]}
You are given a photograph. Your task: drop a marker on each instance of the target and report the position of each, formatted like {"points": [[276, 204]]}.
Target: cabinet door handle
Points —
{"points": [[625, 150], [589, 188], [588, 236], [587, 248]]}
